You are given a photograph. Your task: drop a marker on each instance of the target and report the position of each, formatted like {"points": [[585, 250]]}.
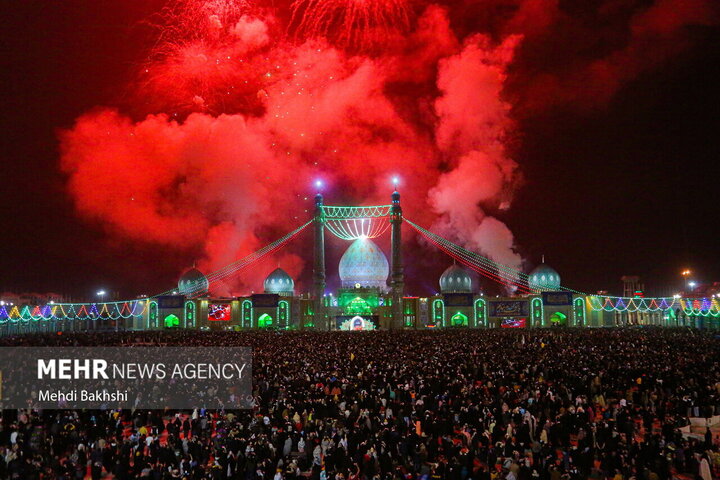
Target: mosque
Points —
{"points": [[372, 295], [364, 301]]}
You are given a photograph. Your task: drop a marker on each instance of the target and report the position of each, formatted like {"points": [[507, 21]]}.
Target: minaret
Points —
{"points": [[397, 279], [319, 263]]}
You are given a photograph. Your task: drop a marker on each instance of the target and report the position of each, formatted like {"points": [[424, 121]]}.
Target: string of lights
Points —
{"points": [[130, 308], [354, 228], [74, 311], [694, 307], [484, 266], [629, 304], [341, 213], [235, 267]]}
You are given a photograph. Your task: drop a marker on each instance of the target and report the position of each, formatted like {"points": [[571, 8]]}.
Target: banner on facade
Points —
{"points": [[509, 308], [557, 298]]}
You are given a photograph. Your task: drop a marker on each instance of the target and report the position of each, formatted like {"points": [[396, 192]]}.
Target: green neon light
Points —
{"points": [[189, 314], [153, 314], [246, 313], [538, 315], [265, 321], [438, 309], [558, 318], [579, 311], [282, 313], [480, 307], [459, 320], [171, 321]]}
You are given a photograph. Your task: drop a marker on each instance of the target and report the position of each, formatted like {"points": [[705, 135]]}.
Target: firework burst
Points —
{"points": [[360, 25], [204, 59]]}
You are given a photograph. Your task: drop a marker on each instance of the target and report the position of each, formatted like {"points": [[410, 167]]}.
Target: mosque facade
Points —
{"points": [[371, 295], [364, 301]]}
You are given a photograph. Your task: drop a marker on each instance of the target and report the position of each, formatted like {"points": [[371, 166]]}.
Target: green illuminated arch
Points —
{"points": [[480, 312], [246, 313], [283, 310], [171, 321], [579, 311], [153, 314], [558, 318], [189, 314], [536, 309], [459, 320], [265, 321], [438, 311]]}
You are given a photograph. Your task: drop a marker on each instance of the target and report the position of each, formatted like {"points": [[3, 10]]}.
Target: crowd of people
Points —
{"points": [[411, 405]]}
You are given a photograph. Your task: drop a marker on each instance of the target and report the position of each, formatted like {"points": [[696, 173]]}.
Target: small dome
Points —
{"points": [[364, 264], [193, 283], [544, 278], [456, 279], [280, 282]]}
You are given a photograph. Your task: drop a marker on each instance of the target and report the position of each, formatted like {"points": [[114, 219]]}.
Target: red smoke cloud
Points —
{"points": [[242, 109]]}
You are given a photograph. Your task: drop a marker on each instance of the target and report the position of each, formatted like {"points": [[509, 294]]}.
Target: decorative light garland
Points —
{"points": [[74, 311], [484, 266], [342, 213], [354, 228], [235, 267]]}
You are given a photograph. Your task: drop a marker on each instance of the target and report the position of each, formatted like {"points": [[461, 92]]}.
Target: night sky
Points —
{"points": [[628, 187]]}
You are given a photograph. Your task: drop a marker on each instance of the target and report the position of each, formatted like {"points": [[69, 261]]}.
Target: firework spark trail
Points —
{"points": [[203, 59], [359, 25]]}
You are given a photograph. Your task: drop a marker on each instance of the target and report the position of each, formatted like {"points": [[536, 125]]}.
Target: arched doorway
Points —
{"points": [[459, 320], [171, 321], [265, 321], [558, 319]]}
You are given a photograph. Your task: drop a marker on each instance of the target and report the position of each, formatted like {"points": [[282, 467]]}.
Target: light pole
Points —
{"points": [[686, 278]]}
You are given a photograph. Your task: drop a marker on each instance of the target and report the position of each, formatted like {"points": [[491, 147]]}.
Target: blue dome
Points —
{"points": [[455, 279], [280, 282], [193, 283], [364, 264], [544, 279]]}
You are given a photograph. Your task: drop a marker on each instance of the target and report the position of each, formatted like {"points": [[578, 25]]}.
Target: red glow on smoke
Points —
{"points": [[245, 105]]}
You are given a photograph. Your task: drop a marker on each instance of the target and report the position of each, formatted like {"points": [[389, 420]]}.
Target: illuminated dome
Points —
{"points": [[280, 282], [455, 279], [544, 278], [364, 264], [193, 283]]}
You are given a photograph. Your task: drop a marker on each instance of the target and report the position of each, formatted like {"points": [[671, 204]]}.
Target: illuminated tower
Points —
{"points": [[319, 263], [397, 279]]}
